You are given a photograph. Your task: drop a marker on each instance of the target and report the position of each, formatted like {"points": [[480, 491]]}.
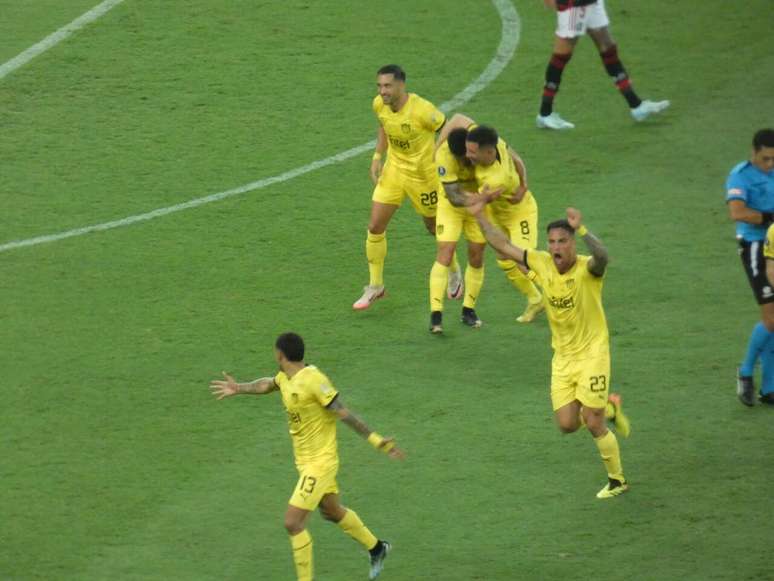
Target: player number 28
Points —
{"points": [[429, 199], [598, 382]]}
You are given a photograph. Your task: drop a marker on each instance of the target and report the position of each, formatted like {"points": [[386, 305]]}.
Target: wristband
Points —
{"points": [[767, 218], [582, 230], [377, 156], [375, 439]]}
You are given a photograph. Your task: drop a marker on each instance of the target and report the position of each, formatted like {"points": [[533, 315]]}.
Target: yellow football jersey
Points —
{"points": [[501, 174], [410, 135], [451, 170], [573, 302], [768, 245], [312, 426]]}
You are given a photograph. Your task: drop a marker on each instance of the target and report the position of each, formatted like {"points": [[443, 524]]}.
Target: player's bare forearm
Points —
{"points": [[599, 256], [498, 240], [349, 418], [738, 211], [521, 169], [228, 386], [456, 195], [257, 387], [458, 121]]}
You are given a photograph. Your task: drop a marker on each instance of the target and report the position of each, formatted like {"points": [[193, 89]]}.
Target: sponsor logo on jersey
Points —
{"points": [[400, 143], [562, 302]]}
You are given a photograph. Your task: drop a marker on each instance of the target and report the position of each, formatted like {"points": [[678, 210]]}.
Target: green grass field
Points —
{"points": [[116, 462]]}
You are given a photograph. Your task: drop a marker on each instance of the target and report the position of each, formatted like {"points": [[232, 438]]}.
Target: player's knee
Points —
{"points": [[445, 254], [292, 525], [568, 427], [330, 515]]}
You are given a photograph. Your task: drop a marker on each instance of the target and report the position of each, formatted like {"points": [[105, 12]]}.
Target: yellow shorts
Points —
{"points": [[392, 187], [518, 221], [452, 221], [314, 482], [586, 380]]}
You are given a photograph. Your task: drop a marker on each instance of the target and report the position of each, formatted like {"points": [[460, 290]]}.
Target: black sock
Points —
{"points": [[553, 80], [617, 71]]}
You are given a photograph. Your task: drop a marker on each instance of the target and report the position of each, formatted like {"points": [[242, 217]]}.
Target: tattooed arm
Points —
{"points": [[599, 256], [385, 444], [229, 386]]}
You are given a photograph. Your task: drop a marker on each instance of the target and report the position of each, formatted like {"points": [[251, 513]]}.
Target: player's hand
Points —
{"points": [[550, 4], [221, 389], [518, 195], [574, 218], [376, 170], [475, 204], [490, 194], [394, 452]]}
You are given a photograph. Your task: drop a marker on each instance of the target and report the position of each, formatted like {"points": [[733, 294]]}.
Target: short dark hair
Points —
{"points": [[291, 345], [483, 135], [393, 70], [456, 141], [563, 224], [763, 138]]}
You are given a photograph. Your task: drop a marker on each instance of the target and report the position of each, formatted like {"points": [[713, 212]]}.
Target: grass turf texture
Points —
{"points": [[117, 464]]}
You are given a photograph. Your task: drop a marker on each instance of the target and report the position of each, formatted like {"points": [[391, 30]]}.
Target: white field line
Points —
{"points": [[509, 40], [57, 37]]}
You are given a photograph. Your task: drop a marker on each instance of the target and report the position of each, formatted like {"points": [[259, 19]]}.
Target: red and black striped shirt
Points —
{"points": [[562, 5]]}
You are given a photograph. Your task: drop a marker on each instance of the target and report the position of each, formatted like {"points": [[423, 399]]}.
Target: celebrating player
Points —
{"points": [[490, 168], [313, 405], [407, 127], [580, 370]]}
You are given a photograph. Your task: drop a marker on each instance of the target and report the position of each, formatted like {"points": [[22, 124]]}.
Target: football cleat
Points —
{"points": [[621, 422], [455, 287], [371, 294], [648, 108], [532, 311], [377, 560], [470, 318], [745, 389], [613, 488], [767, 398], [553, 121], [435, 322]]}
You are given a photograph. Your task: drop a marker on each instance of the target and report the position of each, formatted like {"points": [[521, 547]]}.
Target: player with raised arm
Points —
{"points": [[580, 369], [313, 405], [406, 137]]}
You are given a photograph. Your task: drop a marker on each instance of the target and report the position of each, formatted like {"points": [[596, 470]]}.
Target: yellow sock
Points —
{"points": [[376, 251], [520, 280], [439, 276], [302, 555], [354, 527], [474, 280], [611, 456], [455, 264]]}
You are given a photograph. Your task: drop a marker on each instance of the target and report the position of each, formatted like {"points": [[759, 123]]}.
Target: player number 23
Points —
{"points": [[429, 199], [598, 383]]}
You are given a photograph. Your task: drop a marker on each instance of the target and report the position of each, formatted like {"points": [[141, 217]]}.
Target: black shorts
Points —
{"points": [[754, 264]]}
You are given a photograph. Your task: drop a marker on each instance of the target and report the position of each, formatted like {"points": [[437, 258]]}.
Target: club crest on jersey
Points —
{"points": [[405, 127], [439, 228]]}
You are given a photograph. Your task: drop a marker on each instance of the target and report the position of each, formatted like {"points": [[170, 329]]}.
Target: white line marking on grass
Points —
{"points": [[509, 40], [57, 37]]}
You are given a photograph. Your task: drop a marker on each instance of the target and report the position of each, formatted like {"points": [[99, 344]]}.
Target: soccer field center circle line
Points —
{"points": [[509, 40]]}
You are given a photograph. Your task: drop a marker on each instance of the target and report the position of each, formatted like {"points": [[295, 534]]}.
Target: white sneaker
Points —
{"points": [[370, 295], [648, 108], [553, 121], [455, 286]]}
